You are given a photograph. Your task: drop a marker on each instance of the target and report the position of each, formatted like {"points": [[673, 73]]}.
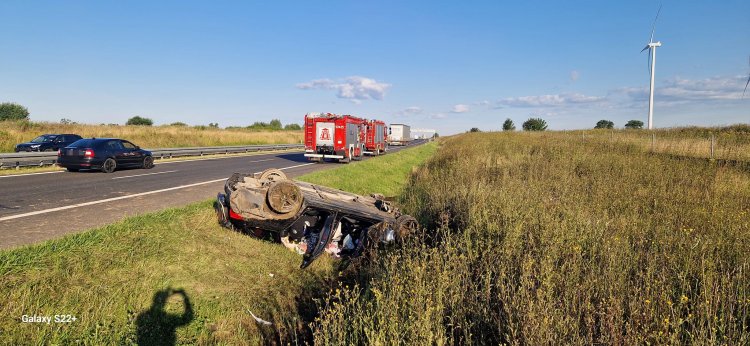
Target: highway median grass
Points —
{"points": [[176, 275]]}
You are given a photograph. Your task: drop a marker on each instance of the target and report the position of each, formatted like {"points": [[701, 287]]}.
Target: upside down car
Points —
{"points": [[309, 218]]}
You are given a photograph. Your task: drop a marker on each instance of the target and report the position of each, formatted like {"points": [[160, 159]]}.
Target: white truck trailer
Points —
{"points": [[399, 134]]}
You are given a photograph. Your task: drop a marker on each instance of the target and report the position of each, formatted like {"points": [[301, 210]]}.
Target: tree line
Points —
{"points": [[539, 124]]}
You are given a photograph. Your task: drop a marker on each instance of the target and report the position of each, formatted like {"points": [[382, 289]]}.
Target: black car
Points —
{"points": [[48, 142], [105, 154]]}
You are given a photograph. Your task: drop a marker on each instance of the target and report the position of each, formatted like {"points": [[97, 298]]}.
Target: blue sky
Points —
{"points": [[432, 64]]}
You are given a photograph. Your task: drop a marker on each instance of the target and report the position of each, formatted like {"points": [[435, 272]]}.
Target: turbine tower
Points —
{"points": [[651, 46]]}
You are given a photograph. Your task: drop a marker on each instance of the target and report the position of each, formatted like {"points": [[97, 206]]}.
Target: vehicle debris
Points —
{"points": [[308, 218], [259, 320]]}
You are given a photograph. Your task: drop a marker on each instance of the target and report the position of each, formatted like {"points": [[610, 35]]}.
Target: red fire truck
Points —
{"points": [[331, 136], [375, 137]]}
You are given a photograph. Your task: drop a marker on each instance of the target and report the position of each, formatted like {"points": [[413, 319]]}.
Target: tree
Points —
{"points": [[604, 124], [634, 124], [136, 120], [66, 121], [179, 123], [293, 127], [534, 124], [213, 125], [474, 129], [508, 125], [275, 124], [13, 111], [435, 135]]}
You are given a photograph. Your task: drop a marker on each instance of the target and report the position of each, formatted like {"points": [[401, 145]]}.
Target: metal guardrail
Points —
{"points": [[29, 159]]}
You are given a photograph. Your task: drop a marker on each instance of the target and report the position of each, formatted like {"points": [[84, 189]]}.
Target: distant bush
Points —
{"points": [[508, 125], [13, 111], [179, 123], [475, 129], [275, 124], [634, 124], [136, 120], [534, 124], [66, 121], [293, 127], [604, 124]]}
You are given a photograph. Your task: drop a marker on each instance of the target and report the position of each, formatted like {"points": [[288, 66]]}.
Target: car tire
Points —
{"points": [[284, 197], [405, 225], [109, 165], [148, 162], [72, 169]]}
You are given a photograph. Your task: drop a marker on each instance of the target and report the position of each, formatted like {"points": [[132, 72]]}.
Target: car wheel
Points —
{"points": [[72, 169], [284, 197], [148, 162], [109, 165], [405, 225]]}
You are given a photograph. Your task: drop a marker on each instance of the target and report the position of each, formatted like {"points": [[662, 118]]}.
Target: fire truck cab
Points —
{"points": [[331, 136]]}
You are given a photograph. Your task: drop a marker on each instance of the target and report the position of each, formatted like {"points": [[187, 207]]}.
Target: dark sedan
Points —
{"points": [[105, 154], [48, 142]]}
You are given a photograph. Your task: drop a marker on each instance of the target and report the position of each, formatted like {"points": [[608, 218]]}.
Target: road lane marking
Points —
{"points": [[39, 212], [140, 175], [25, 174]]}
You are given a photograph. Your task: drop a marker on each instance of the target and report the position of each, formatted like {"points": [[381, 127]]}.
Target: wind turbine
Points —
{"points": [[651, 46]]}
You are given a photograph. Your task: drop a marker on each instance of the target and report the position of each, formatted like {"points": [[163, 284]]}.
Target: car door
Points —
{"points": [[115, 148], [135, 156], [60, 142]]}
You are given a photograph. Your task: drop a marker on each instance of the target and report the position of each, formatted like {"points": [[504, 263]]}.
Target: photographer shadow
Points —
{"points": [[156, 326]]}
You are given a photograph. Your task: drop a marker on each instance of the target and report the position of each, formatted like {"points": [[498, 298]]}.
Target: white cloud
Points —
{"points": [[413, 110], [574, 75], [460, 108], [354, 88], [550, 100], [482, 103], [438, 116], [679, 90]]}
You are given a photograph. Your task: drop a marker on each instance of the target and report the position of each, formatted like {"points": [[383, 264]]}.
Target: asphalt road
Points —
{"points": [[37, 207]]}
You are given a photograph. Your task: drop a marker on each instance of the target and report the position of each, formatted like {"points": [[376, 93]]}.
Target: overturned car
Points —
{"points": [[309, 218]]}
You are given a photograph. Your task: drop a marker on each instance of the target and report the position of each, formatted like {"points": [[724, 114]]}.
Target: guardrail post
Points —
{"points": [[713, 143]]}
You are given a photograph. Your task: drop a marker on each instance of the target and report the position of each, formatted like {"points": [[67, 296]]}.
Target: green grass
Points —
{"points": [[116, 279], [547, 239], [385, 175]]}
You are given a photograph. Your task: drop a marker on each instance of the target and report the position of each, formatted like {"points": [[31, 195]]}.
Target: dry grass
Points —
{"points": [[14, 132], [545, 239], [730, 143]]}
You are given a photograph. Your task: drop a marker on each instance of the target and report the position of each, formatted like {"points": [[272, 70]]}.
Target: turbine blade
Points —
{"points": [[746, 84], [653, 26], [644, 48]]}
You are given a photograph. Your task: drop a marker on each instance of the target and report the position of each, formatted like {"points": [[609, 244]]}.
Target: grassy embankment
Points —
{"points": [[14, 132], [731, 143], [116, 279], [550, 240]]}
